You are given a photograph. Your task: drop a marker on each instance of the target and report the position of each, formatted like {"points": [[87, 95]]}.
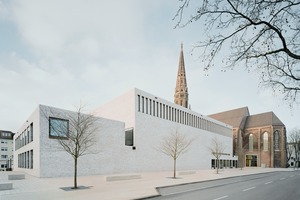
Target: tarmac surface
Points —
{"points": [[133, 186]]}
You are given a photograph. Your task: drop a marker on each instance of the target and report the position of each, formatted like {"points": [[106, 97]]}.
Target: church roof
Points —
{"points": [[236, 118], [263, 119], [240, 118]]}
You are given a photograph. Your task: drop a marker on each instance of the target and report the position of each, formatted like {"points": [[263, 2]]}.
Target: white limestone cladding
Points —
{"points": [[43, 157], [131, 128], [154, 119]]}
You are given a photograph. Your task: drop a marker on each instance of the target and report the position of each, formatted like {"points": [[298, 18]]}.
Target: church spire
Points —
{"points": [[181, 96]]}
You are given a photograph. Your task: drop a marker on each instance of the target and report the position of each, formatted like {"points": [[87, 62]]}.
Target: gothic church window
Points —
{"points": [[251, 142], [276, 137], [266, 142]]}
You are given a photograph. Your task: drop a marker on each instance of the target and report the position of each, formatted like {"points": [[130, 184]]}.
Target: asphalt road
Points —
{"points": [[269, 186]]}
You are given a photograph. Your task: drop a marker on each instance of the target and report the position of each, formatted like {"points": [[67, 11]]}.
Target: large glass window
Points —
{"points": [[266, 142], [58, 127], [129, 137], [251, 142]]}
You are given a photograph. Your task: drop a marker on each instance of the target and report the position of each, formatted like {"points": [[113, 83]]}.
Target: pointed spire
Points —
{"points": [[181, 90]]}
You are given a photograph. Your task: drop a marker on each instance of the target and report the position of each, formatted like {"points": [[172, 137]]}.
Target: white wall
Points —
{"points": [[113, 156], [121, 108], [108, 153], [150, 132], [34, 145]]}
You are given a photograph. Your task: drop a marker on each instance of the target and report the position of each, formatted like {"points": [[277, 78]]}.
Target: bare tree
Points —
{"points": [[217, 150], [75, 133], [294, 140], [175, 145], [262, 35], [289, 152]]}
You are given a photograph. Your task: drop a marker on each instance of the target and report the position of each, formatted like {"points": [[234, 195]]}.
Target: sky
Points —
{"points": [[65, 52]]}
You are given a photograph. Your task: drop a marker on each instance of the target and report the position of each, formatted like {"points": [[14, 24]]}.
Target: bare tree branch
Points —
{"points": [[217, 149], [252, 34], [175, 145], [294, 141], [75, 132]]}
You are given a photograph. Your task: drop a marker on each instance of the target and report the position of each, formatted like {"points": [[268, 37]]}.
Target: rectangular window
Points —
{"points": [[129, 137], [153, 108], [142, 104], [31, 159], [31, 132], [167, 112], [150, 106], [139, 103], [58, 127], [157, 109], [3, 148], [175, 115], [28, 134], [3, 156], [146, 105], [160, 110]]}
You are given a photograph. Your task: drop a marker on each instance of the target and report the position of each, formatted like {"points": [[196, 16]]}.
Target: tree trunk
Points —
{"points": [[75, 173], [174, 172]]}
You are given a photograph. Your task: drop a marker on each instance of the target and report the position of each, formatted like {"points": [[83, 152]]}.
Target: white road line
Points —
{"points": [[292, 175], [248, 189], [268, 182], [282, 179], [223, 197]]}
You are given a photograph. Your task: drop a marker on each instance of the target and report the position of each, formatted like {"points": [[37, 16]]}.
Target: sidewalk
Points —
{"points": [[96, 187]]}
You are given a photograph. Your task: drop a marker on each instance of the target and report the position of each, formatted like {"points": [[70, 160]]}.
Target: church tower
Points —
{"points": [[181, 96]]}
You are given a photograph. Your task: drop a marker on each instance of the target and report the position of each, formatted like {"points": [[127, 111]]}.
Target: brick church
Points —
{"points": [[258, 140]]}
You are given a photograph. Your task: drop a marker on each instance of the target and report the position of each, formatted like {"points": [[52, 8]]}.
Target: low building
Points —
{"points": [[258, 140], [6, 150], [131, 128]]}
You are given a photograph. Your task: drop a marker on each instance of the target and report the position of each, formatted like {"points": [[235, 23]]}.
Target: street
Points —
{"points": [[269, 186]]}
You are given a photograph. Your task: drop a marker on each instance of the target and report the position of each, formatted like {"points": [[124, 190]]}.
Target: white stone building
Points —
{"points": [[38, 153], [131, 128], [6, 150]]}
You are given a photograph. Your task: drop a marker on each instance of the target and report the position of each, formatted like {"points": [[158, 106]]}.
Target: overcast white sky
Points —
{"points": [[63, 52]]}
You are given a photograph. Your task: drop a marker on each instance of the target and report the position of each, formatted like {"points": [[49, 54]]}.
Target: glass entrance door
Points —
{"points": [[251, 160]]}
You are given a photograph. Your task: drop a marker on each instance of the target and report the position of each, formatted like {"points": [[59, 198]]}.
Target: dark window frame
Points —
{"points": [[56, 136], [129, 137]]}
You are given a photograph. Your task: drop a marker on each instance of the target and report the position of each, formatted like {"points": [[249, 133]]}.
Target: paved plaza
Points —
{"points": [[97, 186]]}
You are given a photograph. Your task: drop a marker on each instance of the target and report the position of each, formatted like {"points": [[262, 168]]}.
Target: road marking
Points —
{"points": [[292, 175], [248, 189], [268, 182], [282, 179], [223, 197]]}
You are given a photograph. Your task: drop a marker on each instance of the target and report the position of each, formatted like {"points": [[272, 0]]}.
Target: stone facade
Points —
{"points": [[149, 118]]}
